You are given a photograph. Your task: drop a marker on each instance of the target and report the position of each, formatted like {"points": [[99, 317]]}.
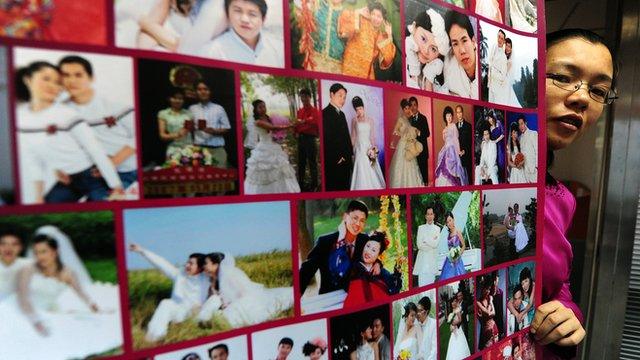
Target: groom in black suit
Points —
{"points": [[464, 138], [338, 150], [420, 122], [334, 253]]}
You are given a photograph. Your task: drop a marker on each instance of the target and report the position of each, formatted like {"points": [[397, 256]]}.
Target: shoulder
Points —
{"points": [[163, 112], [326, 238], [67, 275]]}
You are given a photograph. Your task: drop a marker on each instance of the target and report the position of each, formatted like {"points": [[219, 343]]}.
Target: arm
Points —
{"points": [[83, 134], [71, 279], [392, 281], [386, 48], [372, 133], [348, 23], [484, 310], [269, 126], [531, 299], [223, 121], [24, 301], [463, 242], [158, 261], [310, 266], [167, 136], [210, 22], [353, 134], [531, 159], [123, 154]]}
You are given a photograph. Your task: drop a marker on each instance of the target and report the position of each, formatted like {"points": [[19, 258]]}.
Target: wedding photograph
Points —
{"points": [[509, 224], [491, 300], [301, 341], [446, 236], [351, 251], [522, 15], [188, 130], [362, 335], [75, 126], [281, 118], [456, 319], [67, 21], [232, 348], [453, 143], [491, 138], [509, 63], [58, 284], [521, 306], [359, 38], [415, 327], [199, 270], [519, 347], [210, 29], [353, 136], [408, 129], [490, 9], [522, 148], [440, 49], [7, 195]]}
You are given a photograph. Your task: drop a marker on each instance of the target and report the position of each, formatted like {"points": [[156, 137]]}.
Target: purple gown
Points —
{"points": [[449, 268], [496, 133], [449, 170]]}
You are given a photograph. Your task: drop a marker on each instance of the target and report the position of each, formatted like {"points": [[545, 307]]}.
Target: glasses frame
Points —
{"points": [[611, 96]]}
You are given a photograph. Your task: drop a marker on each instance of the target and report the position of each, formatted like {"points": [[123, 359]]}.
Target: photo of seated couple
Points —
{"points": [[207, 285], [350, 264], [243, 31]]}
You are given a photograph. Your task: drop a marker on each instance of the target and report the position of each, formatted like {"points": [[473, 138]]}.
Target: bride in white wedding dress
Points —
{"points": [[58, 312], [237, 298], [367, 174], [409, 333], [458, 347]]}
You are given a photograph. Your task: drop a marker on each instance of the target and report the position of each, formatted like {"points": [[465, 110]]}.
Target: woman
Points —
{"points": [[515, 162], [489, 9], [458, 348], [268, 167], [528, 285], [56, 304], [426, 46], [511, 74], [175, 123], [365, 349], [403, 170], [453, 264], [449, 170], [237, 298], [497, 136], [367, 174], [314, 349], [58, 150], [409, 338], [364, 286], [520, 231], [486, 315]]}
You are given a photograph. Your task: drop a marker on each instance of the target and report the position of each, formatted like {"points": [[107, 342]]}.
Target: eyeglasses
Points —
{"points": [[600, 93]]}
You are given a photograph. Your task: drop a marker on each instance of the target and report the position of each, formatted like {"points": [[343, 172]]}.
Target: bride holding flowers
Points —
{"points": [[453, 264], [367, 174]]}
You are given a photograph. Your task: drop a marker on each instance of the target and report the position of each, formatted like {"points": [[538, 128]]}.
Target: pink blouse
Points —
{"points": [[559, 209]]}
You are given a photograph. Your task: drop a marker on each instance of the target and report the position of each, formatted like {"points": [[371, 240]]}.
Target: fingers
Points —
{"points": [[542, 312], [565, 329], [574, 339], [556, 325]]}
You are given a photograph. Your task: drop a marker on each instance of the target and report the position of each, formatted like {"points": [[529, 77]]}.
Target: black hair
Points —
{"points": [[174, 90], [525, 273], [74, 59], [413, 99], [423, 20], [219, 346], [512, 128], [508, 41], [455, 18], [191, 356], [425, 302], [376, 5], [446, 215], [216, 258], [431, 206], [53, 244], [335, 87], [203, 83], [408, 307], [358, 205], [357, 102], [308, 348], [514, 206], [199, 259], [261, 4], [500, 31], [381, 238], [459, 107], [447, 110], [255, 104], [304, 91], [516, 289], [12, 232], [404, 103], [22, 91], [286, 341]]}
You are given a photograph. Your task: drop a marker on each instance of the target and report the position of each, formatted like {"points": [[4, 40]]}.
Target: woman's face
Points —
{"points": [[44, 84], [377, 19], [514, 135], [525, 283], [448, 117], [360, 111], [407, 111], [508, 48], [486, 136], [427, 47], [366, 334], [411, 318], [370, 252], [491, 121], [45, 254], [176, 101], [571, 113], [450, 223], [261, 108], [210, 267], [317, 354]]}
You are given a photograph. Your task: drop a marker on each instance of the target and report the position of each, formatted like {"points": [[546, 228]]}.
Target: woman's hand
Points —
{"points": [[556, 323], [40, 328]]}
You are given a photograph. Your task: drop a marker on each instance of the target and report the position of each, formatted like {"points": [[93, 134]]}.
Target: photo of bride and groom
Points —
{"points": [[363, 335], [281, 128], [57, 286], [301, 341], [227, 349], [415, 326], [358, 255], [509, 224], [353, 133], [491, 299], [243, 31], [509, 67], [221, 284], [456, 319], [446, 233]]}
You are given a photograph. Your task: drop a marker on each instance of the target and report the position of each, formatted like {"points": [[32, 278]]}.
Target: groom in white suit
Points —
{"points": [[427, 240], [189, 292], [10, 262], [429, 344], [529, 148], [498, 71]]}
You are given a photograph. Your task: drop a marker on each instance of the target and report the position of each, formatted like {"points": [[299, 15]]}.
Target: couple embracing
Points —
{"points": [[211, 285], [348, 260]]}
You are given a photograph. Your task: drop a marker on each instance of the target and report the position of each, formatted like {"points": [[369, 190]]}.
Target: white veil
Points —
{"points": [[66, 252], [234, 283]]}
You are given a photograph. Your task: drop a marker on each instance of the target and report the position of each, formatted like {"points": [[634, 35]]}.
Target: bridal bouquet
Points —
{"points": [[405, 354], [372, 154], [189, 155], [279, 135], [455, 253], [519, 159]]}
